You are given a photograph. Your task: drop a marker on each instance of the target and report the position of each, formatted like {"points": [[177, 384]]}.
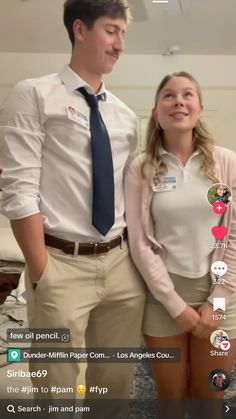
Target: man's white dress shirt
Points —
{"points": [[46, 157]]}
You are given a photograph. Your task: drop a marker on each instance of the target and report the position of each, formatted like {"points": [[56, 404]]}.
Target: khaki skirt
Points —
{"points": [[158, 322]]}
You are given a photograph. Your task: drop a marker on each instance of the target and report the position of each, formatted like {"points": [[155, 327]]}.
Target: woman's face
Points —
{"points": [[178, 106], [221, 191]]}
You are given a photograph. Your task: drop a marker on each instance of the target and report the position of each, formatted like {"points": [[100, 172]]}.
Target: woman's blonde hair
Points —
{"points": [[203, 140]]}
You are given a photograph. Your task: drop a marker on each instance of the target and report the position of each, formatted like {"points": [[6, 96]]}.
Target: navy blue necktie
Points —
{"points": [[103, 208]]}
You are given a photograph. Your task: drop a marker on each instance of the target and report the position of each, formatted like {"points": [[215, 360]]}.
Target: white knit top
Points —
{"points": [[182, 216]]}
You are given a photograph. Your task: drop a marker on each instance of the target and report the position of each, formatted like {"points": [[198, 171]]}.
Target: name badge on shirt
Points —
{"points": [[77, 116], [163, 184]]}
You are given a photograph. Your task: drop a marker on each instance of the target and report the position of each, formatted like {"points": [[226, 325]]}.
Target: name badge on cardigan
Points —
{"points": [[163, 184]]}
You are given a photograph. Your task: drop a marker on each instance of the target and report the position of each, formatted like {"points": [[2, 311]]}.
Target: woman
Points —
{"points": [[169, 222], [222, 194]]}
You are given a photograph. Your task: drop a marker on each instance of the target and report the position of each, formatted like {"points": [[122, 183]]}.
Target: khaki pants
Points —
{"points": [[101, 300]]}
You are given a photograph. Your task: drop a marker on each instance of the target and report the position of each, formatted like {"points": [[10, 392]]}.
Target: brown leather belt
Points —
{"points": [[72, 248]]}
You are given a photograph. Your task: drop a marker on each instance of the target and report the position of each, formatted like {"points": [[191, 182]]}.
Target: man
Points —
{"points": [[49, 177]]}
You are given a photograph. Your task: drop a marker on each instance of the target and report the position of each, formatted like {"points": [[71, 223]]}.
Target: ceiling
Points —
{"points": [[196, 26]]}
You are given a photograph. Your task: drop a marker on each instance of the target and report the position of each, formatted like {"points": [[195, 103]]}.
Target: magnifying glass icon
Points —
{"points": [[11, 408]]}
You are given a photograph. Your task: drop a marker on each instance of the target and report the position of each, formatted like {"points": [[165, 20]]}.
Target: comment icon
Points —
{"points": [[219, 268]]}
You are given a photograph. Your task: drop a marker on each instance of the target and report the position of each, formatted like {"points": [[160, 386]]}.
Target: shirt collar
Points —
{"points": [[72, 82], [163, 152]]}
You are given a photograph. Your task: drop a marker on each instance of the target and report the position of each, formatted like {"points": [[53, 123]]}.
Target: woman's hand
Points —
{"points": [[206, 324], [188, 319]]}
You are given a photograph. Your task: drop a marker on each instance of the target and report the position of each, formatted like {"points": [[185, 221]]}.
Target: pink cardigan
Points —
{"points": [[146, 251]]}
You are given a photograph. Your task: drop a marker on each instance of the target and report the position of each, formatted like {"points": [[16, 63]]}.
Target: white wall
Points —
{"points": [[135, 79]]}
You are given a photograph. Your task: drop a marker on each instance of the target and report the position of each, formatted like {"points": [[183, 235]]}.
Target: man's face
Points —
{"points": [[102, 45]]}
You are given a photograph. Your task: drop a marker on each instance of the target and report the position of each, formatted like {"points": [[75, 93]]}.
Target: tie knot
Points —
{"points": [[91, 99]]}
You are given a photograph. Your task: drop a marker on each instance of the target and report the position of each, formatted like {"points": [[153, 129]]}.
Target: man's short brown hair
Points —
{"points": [[90, 10]]}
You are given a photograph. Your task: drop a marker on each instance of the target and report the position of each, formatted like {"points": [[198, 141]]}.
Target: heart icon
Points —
{"points": [[219, 232]]}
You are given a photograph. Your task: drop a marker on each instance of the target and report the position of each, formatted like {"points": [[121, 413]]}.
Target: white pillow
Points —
{"points": [[4, 222], [9, 249]]}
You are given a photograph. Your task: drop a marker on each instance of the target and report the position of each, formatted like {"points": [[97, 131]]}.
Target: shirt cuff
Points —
{"points": [[175, 305], [20, 212]]}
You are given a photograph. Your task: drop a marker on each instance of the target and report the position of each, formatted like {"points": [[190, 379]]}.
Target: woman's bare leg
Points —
{"points": [[171, 378]]}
